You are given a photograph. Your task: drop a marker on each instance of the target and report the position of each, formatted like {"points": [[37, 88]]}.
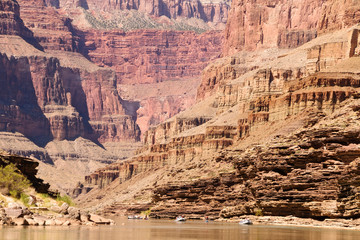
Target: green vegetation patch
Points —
{"points": [[65, 199], [12, 182]]}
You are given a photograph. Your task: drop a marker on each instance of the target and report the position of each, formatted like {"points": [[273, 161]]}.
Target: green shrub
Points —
{"points": [[24, 198], [146, 213], [258, 212], [65, 198], [12, 181]]}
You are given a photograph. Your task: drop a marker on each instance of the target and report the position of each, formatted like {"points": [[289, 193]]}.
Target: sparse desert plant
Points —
{"points": [[12, 182]]}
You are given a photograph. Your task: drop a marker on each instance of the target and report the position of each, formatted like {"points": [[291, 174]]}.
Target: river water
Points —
{"points": [[170, 230]]}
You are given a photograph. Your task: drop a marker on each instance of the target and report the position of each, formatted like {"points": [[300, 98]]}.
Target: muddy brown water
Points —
{"points": [[170, 230]]}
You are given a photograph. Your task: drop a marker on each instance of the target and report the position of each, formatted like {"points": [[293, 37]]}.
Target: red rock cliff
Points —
{"points": [[263, 24], [148, 56]]}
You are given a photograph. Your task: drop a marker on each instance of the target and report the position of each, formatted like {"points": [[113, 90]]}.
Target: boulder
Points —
{"points": [[39, 220], [74, 213], [84, 217], [14, 205], [14, 212], [64, 208], [55, 208], [59, 222], [66, 223], [100, 220], [20, 222], [31, 222], [50, 222]]}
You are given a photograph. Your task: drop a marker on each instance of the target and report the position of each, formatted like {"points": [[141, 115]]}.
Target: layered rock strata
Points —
{"points": [[58, 97], [309, 173], [149, 56], [11, 23], [165, 55], [51, 28]]}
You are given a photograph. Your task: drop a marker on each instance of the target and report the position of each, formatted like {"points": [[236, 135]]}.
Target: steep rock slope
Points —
{"points": [[56, 103]]}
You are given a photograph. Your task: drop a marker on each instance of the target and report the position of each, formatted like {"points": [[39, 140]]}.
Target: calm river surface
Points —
{"points": [[166, 230]]}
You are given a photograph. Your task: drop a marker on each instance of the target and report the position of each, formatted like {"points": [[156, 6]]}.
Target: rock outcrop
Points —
{"points": [[51, 28], [11, 23], [27, 167]]}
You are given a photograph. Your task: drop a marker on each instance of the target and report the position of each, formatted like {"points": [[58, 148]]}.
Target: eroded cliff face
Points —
{"points": [[19, 107], [51, 28], [148, 56], [284, 24]]}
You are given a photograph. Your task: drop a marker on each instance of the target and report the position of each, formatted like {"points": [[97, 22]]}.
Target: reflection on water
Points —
{"points": [[165, 230]]}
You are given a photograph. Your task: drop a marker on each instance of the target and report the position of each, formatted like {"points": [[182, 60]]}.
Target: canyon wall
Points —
{"points": [[53, 96], [217, 158], [137, 57], [148, 56], [284, 24], [51, 101]]}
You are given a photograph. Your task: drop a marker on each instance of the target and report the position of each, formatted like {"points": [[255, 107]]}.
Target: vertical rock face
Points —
{"points": [[57, 102], [62, 103], [284, 24], [19, 108], [262, 24], [164, 55], [10, 21], [148, 56], [337, 14], [51, 29]]}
